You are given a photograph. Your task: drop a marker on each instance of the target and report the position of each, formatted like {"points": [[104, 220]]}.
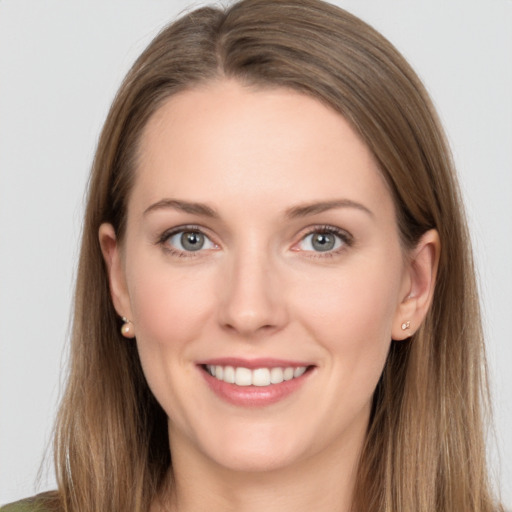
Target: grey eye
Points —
{"points": [[323, 241], [320, 241], [190, 241]]}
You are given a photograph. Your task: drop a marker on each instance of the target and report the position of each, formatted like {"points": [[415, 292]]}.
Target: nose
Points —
{"points": [[253, 299]]}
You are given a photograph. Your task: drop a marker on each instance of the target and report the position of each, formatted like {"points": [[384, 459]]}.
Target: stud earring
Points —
{"points": [[406, 325], [127, 328]]}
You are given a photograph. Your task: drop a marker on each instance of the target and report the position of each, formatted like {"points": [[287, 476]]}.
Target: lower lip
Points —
{"points": [[254, 396]]}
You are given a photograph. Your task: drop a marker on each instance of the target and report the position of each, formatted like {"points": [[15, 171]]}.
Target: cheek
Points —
{"points": [[362, 298], [351, 313], [169, 305], [170, 309]]}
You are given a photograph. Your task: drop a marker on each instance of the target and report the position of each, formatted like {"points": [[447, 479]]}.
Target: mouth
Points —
{"points": [[260, 377], [255, 383]]}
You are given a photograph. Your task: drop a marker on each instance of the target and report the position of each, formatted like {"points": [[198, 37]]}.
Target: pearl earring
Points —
{"points": [[406, 325], [127, 328]]}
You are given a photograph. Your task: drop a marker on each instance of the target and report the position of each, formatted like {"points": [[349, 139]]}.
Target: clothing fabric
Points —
{"points": [[28, 505]]}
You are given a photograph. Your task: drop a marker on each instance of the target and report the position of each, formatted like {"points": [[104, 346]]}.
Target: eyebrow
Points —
{"points": [[184, 206], [298, 211], [305, 210]]}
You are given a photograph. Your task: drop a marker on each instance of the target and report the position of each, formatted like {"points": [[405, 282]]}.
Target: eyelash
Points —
{"points": [[346, 239], [166, 235]]}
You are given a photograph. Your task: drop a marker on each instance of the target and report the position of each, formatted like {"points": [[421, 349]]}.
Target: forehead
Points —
{"points": [[225, 139]]}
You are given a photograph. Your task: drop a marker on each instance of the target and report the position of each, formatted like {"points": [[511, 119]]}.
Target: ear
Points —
{"points": [[418, 286], [113, 261]]}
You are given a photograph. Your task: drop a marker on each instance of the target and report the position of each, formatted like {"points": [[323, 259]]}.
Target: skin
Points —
{"points": [[260, 289]]}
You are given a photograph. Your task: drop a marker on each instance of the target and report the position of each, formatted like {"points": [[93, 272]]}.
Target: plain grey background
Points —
{"points": [[60, 65]]}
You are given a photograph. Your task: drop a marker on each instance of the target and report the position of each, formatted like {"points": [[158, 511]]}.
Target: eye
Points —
{"points": [[326, 239], [190, 240]]}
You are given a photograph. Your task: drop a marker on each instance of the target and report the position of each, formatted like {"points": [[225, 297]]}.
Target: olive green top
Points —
{"points": [[28, 505]]}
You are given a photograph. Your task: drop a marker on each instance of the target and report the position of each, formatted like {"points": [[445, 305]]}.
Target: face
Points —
{"points": [[263, 273]]}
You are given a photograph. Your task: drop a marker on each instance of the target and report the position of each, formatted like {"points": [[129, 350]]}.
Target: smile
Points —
{"points": [[255, 382], [260, 377]]}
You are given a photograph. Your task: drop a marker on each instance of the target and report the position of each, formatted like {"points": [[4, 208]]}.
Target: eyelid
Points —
{"points": [[346, 238], [192, 228]]}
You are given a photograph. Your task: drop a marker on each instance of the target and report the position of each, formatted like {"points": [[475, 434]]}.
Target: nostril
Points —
{"points": [[250, 330]]}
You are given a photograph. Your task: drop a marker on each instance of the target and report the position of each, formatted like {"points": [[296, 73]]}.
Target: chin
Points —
{"points": [[251, 461], [258, 450]]}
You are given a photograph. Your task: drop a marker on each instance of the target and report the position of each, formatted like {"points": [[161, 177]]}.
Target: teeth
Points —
{"points": [[258, 377], [299, 371], [243, 377], [276, 375], [229, 375], [288, 373], [261, 377]]}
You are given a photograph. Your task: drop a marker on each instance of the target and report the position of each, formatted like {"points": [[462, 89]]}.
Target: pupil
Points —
{"points": [[192, 241], [323, 241]]}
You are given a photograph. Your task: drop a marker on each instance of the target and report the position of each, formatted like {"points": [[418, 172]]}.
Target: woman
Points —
{"points": [[271, 308]]}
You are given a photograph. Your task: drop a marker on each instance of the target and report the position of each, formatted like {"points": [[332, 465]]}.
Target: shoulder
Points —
{"points": [[23, 506], [39, 503]]}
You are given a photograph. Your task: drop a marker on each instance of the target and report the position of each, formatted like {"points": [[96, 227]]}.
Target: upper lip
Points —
{"points": [[253, 363]]}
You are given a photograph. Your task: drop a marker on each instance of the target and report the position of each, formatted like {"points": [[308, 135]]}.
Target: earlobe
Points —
{"points": [[117, 282], [420, 282]]}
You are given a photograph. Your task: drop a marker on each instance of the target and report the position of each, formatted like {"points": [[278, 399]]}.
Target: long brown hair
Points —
{"points": [[425, 444]]}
